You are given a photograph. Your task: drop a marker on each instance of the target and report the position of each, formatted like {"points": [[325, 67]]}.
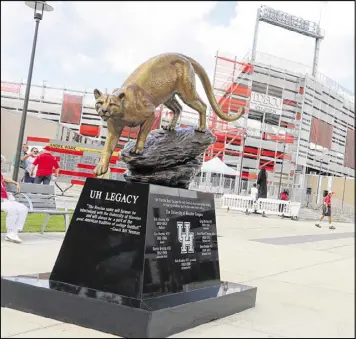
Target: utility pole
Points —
{"points": [[241, 160], [280, 177], [39, 7]]}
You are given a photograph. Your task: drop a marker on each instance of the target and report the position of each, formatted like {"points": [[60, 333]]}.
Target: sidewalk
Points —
{"points": [[305, 279]]}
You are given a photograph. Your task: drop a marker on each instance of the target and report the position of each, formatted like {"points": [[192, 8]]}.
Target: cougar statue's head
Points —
{"points": [[108, 105]]}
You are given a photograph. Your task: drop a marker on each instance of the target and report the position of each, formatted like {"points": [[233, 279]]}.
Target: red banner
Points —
{"points": [[71, 109], [321, 133], [350, 148]]}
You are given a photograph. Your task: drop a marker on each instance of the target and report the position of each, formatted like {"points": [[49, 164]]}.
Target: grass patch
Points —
{"points": [[35, 221]]}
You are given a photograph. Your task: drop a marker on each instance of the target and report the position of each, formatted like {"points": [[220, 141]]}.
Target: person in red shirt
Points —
{"points": [[45, 163], [16, 213], [326, 210]]}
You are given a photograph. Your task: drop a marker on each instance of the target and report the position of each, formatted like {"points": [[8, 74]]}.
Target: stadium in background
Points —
{"points": [[291, 117], [304, 122]]}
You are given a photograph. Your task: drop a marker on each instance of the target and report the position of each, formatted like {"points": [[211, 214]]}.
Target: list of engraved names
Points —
{"points": [[183, 214]]}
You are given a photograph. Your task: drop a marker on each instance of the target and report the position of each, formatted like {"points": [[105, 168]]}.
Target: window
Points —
{"points": [[259, 87], [275, 91]]}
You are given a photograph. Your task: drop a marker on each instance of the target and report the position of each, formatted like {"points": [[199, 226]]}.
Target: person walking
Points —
{"points": [[29, 159], [45, 163], [326, 210], [16, 213]]}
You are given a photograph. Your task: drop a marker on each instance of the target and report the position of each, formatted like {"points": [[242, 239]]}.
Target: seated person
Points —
{"points": [[16, 213]]}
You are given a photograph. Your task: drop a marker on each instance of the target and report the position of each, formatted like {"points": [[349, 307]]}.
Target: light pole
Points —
{"points": [[317, 190], [280, 177], [39, 7], [324, 152]]}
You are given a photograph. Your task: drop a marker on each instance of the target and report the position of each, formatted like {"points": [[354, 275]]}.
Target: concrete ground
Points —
{"points": [[305, 279]]}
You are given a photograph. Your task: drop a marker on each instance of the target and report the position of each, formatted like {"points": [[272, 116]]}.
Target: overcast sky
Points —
{"points": [[98, 44]]}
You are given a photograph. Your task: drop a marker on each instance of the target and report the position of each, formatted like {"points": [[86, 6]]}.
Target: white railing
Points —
{"points": [[334, 86], [217, 202], [281, 63], [263, 206], [238, 202]]}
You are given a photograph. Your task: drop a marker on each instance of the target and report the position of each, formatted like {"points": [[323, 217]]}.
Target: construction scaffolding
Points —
{"points": [[249, 144], [278, 137]]}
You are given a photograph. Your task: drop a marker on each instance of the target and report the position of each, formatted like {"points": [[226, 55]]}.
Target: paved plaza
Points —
{"points": [[305, 278]]}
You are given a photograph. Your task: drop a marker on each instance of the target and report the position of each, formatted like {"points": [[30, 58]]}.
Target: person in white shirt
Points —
{"points": [[29, 159], [254, 192]]}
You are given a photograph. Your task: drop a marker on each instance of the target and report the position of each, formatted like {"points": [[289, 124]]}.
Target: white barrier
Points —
{"points": [[218, 202], [294, 209], [263, 206], [238, 203]]}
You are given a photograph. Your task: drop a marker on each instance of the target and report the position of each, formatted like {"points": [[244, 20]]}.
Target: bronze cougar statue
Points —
{"points": [[155, 82]]}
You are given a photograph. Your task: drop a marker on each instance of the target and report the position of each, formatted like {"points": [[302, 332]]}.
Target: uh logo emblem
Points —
{"points": [[186, 238]]}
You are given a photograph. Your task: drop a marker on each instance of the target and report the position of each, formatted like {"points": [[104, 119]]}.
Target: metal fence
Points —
{"points": [[339, 208], [223, 185], [218, 185]]}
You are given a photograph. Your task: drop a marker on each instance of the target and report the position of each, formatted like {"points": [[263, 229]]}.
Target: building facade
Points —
{"points": [[295, 124]]}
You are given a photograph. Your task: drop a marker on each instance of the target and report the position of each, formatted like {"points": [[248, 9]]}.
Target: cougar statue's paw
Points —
{"points": [[200, 129], [100, 169], [136, 150], [169, 128]]}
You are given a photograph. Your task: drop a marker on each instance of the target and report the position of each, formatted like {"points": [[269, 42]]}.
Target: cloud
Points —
{"points": [[75, 62], [98, 44], [134, 31]]}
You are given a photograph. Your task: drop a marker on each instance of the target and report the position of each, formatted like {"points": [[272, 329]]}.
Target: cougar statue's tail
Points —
{"points": [[199, 70]]}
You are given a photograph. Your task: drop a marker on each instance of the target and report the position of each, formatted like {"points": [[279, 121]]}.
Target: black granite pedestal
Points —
{"points": [[138, 260]]}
